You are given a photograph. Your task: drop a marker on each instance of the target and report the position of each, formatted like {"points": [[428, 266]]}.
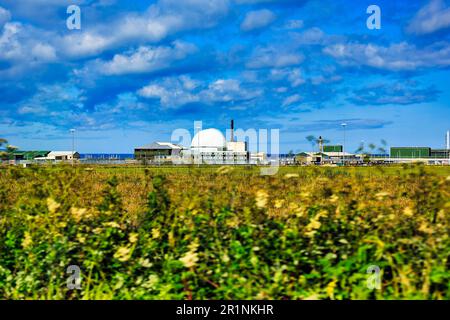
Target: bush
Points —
{"points": [[223, 234]]}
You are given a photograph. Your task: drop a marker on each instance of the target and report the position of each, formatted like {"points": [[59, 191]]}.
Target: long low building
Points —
{"points": [[29, 155], [157, 151], [419, 153], [332, 157], [60, 156]]}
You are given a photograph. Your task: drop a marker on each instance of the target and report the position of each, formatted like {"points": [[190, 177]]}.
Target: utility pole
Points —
{"points": [[343, 147], [198, 128], [72, 131]]}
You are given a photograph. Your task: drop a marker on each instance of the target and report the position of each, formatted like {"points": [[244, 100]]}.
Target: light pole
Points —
{"points": [[72, 131], [198, 128], [343, 147]]}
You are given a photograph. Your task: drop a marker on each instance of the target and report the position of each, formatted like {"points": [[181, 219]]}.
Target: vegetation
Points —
{"points": [[224, 233], [7, 153]]}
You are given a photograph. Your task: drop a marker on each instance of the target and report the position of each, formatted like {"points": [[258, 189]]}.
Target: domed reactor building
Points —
{"points": [[209, 146]]}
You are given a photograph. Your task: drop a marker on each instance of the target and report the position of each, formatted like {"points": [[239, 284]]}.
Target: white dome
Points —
{"points": [[209, 138]]}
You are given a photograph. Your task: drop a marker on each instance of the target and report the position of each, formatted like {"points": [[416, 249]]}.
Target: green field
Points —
{"points": [[225, 232]]}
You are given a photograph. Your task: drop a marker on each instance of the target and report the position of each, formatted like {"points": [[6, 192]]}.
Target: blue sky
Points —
{"points": [[137, 70]]}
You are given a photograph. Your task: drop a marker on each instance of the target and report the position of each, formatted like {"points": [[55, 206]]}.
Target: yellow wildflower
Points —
{"points": [[408, 212], [145, 263], [52, 205], [279, 203], [81, 239], [330, 289], [190, 259], [381, 195], [261, 198], [112, 224], [133, 237], [155, 233], [27, 240], [225, 258], [78, 213], [123, 254], [334, 198]]}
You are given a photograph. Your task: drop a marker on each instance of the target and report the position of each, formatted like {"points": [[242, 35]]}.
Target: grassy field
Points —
{"points": [[225, 232]]}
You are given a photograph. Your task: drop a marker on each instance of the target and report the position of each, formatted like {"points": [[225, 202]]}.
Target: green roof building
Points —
{"points": [[29, 155], [410, 152]]}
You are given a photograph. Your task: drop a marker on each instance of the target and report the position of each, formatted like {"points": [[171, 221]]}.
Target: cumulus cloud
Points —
{"points": [[271, 57], [257, 19], [172, 92], [21, 47], [292, 75], [432, 17], [5, 16], [396, 57], [145, 59], [228, 90], [162, 19], [177, 91]]}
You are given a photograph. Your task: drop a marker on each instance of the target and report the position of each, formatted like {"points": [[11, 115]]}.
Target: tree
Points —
{"points": [[366, 153], [6, 153], [313, 140]]}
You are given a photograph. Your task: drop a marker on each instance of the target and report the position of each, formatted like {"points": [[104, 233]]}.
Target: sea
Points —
{"points": [[106, 156]]}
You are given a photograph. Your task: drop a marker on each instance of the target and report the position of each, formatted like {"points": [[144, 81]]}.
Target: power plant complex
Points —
{"points": [[209, 146]]}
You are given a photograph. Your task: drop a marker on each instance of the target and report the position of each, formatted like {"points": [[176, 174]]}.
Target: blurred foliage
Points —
{"points": [[227, 233]]}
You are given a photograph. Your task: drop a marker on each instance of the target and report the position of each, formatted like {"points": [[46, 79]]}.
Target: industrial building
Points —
{"points": [[59, 156], [419, 154], [160, 151], [208, 146], [28, 155], [331, 157]]}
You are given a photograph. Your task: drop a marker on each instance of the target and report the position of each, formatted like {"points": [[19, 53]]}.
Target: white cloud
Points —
{"points": [[432, 17], [397, 57], [294, 24], [19, 44], [32, 110], [84, 44], [172, 92], [177, 91], [294, 76], [257, 19], [273, 58], [5, 16], [43, 52], [145, 59], [291, 99], [162, 19], [10, 46], [228, 90]]}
